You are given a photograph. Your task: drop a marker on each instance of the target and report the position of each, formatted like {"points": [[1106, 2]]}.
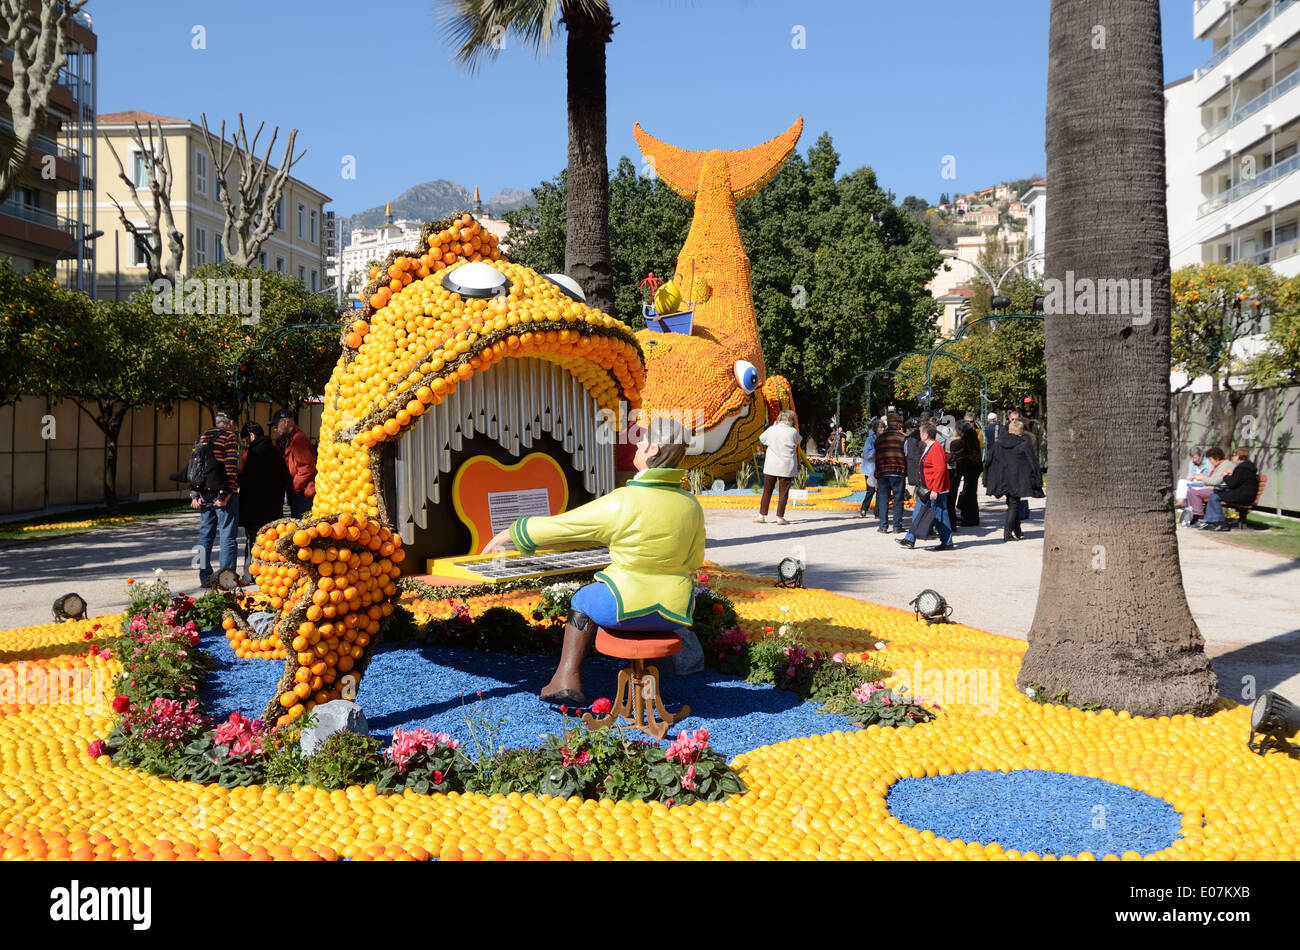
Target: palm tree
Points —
{"points": [[1112, 623], [477, 28]]}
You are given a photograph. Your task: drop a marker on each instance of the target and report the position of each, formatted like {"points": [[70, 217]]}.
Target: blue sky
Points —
{"points": [[898, 85]]}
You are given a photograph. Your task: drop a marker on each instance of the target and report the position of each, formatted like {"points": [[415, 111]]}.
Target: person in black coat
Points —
{"points": [[969, 468], [1013, 474], [263, 480], [1238, 488]]}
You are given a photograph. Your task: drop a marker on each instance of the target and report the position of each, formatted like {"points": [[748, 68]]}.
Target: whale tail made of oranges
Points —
{"points": [[707, 375], [413, 342]]}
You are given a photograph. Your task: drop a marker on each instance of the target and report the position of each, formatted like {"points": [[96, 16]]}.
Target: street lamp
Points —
{"points": [[999, 302]]}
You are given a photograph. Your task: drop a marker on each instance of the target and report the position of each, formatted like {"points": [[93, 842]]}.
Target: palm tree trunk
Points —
{"points": [[586, 245], [1112, 623]]}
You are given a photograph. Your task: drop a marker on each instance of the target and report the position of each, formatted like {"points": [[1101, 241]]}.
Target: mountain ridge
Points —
{"points": [[430, 201]]}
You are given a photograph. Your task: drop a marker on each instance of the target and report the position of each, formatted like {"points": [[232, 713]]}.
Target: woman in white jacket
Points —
{"points": [[779, 464]]}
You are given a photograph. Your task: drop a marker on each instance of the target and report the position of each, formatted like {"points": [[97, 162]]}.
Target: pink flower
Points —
{"points": [[584, 757], [686, 748], [688, 780], [838, 658], [437, 777], [106, 654], [121, 704], [601, 706], [97, 748], [407, 744], [704, 578]]}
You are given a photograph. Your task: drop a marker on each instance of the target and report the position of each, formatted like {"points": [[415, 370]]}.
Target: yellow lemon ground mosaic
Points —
{"points": [[821, 797]]}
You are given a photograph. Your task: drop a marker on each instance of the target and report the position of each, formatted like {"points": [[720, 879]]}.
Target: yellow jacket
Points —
{"points": [[655, 535]]}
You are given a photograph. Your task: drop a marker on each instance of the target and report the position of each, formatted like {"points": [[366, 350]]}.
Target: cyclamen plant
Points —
{"points": [[423, 761]]}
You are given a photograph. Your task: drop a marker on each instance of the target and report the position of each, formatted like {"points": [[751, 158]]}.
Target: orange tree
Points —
{"points": [[1213, 308], [39, 336]]}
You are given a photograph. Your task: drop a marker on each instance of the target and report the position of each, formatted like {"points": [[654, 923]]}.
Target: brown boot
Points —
{"points": [[565, 686]]}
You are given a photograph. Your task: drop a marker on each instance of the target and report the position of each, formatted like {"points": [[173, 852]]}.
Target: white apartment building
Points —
{"points": [[374, 244], [1034, 202], [1232, 133]]}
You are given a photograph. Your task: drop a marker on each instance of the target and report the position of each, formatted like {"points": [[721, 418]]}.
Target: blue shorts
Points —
{"points": [[597, 602]]}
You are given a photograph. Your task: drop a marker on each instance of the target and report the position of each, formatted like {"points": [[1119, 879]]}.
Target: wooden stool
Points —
{"points": [[637, 694]]}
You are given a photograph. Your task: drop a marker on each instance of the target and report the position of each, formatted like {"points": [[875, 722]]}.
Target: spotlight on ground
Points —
{"points": [[931, 605], [69, 607], [789, 573], [1275, 719]]}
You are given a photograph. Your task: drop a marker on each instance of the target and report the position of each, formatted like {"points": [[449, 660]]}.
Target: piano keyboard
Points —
{"points": [[512, 566]]}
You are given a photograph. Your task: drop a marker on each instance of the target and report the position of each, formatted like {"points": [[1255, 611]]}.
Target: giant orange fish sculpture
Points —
{"points": [[715, 376]]}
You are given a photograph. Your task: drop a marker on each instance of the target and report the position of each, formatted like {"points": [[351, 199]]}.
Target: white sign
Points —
{"points": [[798, 494], [505, 506]]}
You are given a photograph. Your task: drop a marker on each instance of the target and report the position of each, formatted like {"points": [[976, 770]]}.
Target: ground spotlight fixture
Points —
{"points": [[69, 607], [931, 605], [1000, 303], [1275, 719], [226, 579], [789, 573]]}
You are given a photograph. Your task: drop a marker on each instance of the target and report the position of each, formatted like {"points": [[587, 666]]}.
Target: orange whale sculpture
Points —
{"points": [[703, 375]]}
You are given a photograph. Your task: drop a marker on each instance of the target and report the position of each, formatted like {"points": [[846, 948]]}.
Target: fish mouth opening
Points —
{"points": [[518, 407]]}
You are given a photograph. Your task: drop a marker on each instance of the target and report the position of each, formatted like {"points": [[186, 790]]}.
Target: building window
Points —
{"points": [[302, 221], [314, 235], [315, 281], [279, 214], [200, 246], [302, 273], [140, 163], [261, 260], [220, 252], [200, 173], [139, 253], [279, 264]]}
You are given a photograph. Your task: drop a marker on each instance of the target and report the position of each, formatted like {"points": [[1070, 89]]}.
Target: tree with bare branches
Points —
{"points": [[35, 34], [250, 206], [164, 257]]}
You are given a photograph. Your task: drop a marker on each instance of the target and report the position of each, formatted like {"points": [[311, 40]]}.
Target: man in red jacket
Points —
{"points": [[300, 459], [932, 489]]}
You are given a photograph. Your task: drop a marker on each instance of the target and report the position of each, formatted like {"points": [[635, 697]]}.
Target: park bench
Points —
{"points": [[1245, 510]]}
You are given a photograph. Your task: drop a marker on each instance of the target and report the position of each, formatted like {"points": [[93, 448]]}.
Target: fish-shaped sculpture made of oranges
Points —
{"points": [[715, 377], [331, 577]]}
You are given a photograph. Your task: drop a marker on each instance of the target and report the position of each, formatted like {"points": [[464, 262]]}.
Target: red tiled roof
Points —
{"points": [[135, 115]]}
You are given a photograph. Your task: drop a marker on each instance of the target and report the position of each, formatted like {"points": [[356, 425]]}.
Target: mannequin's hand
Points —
{"points": [[499, 542]]}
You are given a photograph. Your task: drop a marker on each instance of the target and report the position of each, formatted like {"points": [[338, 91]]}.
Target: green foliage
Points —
{"points": [[862, 261], [344, 759], [1212, 306], [801, 477], [1060, 697], [285, 764], [144, 596], [211, 607], [40, 333], [744, 475]]}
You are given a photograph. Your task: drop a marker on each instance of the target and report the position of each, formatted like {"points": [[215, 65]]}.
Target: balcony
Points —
{"points": [[1242, 36], [1264, 99], [1241, 189]]}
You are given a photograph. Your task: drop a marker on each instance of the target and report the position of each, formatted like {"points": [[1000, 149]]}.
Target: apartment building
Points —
{"points": [[1034, 201], [297, 247], [1232, 133], [48, 220]]}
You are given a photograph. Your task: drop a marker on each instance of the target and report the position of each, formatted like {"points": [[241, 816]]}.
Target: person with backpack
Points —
{"points": [[263, 480], [214, 489]]}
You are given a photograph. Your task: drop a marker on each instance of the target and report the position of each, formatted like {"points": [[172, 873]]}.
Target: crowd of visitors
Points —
{"points": [[249, 487]]}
